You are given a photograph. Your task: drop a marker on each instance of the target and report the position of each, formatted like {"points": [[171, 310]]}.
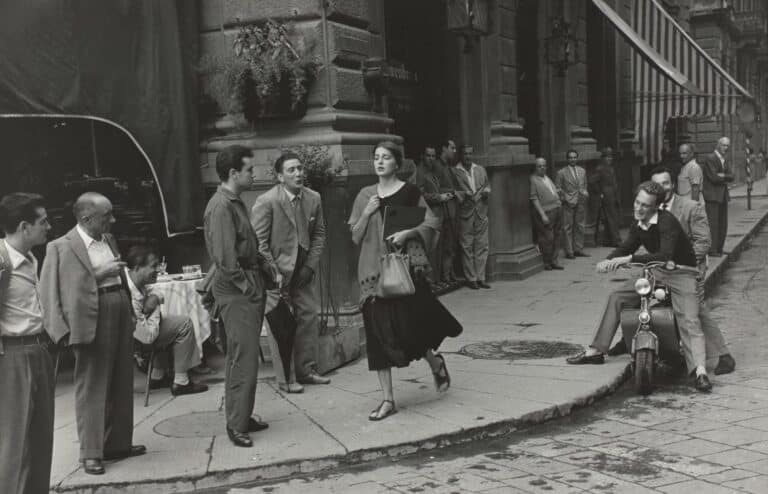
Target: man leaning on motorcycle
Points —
{"points": [[663, 238]]}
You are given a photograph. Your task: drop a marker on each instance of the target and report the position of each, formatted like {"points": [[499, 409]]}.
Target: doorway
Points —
{"points": [[424, 99]]}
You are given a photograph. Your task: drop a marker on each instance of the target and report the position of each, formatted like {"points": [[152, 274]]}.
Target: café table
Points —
{"points": [[181, 298]]}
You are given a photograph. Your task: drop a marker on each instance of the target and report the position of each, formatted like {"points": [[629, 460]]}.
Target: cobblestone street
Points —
{"points": [[675, 441]]}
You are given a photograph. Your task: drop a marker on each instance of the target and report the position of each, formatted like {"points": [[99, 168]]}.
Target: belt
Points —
{"points": [[110, 288], [34, 339]]}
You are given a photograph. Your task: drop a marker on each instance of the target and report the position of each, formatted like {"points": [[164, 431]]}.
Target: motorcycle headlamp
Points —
{"points": [[643, 286], [660, 294], [644, 316]]}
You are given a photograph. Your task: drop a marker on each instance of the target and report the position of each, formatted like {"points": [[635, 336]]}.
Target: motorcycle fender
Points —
{"points": [[645, 340]]}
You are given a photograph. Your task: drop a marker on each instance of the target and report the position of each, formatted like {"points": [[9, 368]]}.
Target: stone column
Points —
{"points": [[507, 158]]}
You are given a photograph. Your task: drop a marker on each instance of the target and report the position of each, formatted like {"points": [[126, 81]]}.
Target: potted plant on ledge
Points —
{"points": [[265, 77]]}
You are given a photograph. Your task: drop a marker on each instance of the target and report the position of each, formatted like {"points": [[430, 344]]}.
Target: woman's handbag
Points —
{"points": [[395, 276]]}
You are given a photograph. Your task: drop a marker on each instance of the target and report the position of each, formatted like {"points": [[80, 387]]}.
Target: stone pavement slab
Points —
{"points": [[492, 394]]}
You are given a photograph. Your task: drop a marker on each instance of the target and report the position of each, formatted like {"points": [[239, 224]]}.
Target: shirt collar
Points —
{"points": [[291, 196], [720, 156], [669, 202], [87, 239], [653, 221], [228, 194], [17, 258], [693, 160], [471, 167]]}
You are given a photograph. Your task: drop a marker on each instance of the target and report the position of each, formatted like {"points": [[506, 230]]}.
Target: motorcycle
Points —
{"points": [[650, 331]]}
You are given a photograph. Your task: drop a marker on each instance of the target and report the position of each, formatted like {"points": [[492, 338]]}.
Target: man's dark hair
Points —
{"points": [[18, 207], [286, 156], [663, 169], [653, 189], [445, 143], [231, 158], [571, 151], [138, 256]]}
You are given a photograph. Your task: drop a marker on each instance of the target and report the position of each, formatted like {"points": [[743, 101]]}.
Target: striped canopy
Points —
{"points": [[672, 77]]}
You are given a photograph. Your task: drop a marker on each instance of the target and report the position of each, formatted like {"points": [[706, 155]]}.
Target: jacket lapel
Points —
{"points": [[286, 204], [462, 178], [78, 247]]}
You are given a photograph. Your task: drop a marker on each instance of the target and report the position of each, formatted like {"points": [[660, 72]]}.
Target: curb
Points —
{"points": [[277, 471]]}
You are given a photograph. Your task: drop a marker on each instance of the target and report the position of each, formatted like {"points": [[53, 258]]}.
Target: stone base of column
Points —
{"points": [[517, 265]]}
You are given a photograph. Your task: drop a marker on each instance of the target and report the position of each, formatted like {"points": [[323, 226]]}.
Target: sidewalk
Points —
{"points": [[327, 426]]}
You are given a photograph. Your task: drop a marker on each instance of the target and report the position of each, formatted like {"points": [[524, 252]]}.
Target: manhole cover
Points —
{"points": [[195, 424], [520, 349]]}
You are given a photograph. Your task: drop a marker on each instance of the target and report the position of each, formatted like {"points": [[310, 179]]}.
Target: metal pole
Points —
{"points": [[748, 169]]}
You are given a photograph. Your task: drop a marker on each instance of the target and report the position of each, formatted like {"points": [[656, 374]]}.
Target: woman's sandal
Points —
{"points": [[442, 378], [376, 414]]}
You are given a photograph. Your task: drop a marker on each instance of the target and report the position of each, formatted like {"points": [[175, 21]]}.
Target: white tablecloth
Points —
{"points": [[182, 299]]}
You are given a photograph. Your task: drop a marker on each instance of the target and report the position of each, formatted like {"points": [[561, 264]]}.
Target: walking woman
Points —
{"points": [[398, 330]]}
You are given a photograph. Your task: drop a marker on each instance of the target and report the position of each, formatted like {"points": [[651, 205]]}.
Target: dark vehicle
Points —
{"points": [[650, 332]]}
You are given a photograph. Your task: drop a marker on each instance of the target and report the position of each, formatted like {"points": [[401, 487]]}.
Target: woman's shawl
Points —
{"points": [[368, 235]]}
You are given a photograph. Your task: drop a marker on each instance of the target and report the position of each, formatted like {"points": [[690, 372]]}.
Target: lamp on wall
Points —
{"points": [[562, 48], [468, 19]]}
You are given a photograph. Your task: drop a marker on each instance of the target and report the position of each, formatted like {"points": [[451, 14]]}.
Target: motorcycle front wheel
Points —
{"points": [[644, 370]]}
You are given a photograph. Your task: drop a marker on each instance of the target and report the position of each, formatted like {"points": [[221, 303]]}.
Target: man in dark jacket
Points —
{"points": [[605, 186], [718, 173]]}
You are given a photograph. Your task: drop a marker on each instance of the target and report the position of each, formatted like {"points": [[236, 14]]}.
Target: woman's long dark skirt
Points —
{"points": [[400, 330]]}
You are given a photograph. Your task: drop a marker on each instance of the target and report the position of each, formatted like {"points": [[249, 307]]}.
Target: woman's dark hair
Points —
{"points": [[138, 256], [393, 148], [231, 158], [18, 207], [288, 155]]}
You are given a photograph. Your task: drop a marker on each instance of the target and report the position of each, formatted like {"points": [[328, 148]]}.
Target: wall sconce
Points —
{"points": [[562, 48], [468, 19]]}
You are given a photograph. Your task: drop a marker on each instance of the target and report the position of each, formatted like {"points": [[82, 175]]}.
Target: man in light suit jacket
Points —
{"points": [[85, 300], [473, 190], [571, 181], [693, 219], [718, 173], [289, 224]]}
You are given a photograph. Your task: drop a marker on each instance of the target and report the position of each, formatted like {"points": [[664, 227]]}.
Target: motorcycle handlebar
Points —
{"points": [[663, 265]]}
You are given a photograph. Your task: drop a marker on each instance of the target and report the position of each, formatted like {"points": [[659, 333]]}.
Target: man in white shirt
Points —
{"points": [[472, 190], [690, 177], [161, 331], [26, 370], [86, 305]]}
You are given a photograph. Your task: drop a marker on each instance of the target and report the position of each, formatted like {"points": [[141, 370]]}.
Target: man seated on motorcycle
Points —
{"points": [[664, 240]]}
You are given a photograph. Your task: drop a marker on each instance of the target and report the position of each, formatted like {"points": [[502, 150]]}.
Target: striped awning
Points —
{"points": [[658, 91]]}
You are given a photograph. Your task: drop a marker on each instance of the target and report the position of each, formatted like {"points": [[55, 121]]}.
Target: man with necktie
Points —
{"points": [[571, 182], [26, 370], [86, 304], [289, 224], [718, 173]]}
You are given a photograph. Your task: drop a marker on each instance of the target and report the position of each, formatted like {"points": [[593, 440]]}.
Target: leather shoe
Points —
{"points": [[483, 284], [725, 364], [473, 285], [93, 466], [570, 256], [581, 254], [188, 389], [240, 439], [620, 348], [136, 450], [583, 358], [291, 388], [547, 267], [702, 383], [557, 267], [256, 425], [314, 379]]}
